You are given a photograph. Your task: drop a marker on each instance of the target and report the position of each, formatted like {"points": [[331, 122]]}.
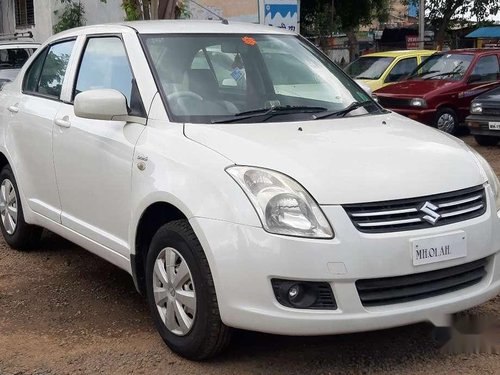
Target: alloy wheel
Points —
{"points": [[8, 206], [446, 123], [174, 291]]}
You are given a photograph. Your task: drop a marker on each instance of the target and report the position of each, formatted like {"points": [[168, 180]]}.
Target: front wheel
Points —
{"points": [[485, 140], [181, 293], [446, 120], [17, 233]]}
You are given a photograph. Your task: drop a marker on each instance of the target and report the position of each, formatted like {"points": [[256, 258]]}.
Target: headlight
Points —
{"points": [[375, 97], [418, 102], [476, 108], [491, 175], [283, 206]]}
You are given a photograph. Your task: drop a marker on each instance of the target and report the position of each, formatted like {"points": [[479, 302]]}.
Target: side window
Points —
{"points": [[401, 69], [54, 69], [105, 65], [486, 69], [30, 83]]}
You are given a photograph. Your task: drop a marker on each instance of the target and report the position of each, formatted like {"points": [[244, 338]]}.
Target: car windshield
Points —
{"points": [[443, 66], [208, 78], [368, 67], [14, 58]]}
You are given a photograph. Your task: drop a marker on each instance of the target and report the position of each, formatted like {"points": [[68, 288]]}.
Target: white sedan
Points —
{"points": [[244, 181]]}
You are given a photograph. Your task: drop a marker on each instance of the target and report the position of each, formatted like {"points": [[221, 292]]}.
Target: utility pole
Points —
{"points": [[421, 24]]}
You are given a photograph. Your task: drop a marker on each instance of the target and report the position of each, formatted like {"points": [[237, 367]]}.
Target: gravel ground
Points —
{"points": [[65, 311]]}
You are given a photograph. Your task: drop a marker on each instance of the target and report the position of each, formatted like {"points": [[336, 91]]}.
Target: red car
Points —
{"points": [[440, 90]]}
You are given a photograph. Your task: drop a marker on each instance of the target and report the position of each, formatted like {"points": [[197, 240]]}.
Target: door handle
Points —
{"points": [[62, 122], [13, 108]]}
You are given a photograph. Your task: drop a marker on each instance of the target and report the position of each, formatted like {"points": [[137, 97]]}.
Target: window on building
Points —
{"points": [[25, 13]]}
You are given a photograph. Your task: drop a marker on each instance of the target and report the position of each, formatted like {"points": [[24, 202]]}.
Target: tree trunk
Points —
{"points": [[353, 44], [146, 9], [448, 14], [166, 9]]}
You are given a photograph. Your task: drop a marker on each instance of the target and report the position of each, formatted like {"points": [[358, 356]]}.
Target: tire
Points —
{"points": [[17, 233], [485, 140], [202, 335], [446, 120]]}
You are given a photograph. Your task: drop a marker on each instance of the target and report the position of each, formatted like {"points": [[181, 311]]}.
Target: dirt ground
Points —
{"points": [[65, 311]]}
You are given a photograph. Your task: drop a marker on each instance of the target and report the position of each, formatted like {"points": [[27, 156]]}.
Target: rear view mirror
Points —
{"points": [[101, 104]]}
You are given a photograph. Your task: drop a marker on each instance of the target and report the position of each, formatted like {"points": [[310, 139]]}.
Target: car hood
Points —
{"points": [[415, 87], [350, 160]]}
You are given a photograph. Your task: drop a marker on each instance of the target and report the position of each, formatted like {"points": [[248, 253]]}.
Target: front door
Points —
{"points": [[93, 158]]}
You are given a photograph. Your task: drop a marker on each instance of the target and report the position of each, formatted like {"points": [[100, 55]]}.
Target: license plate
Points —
{"points": [[494, 125], [439, 248]]}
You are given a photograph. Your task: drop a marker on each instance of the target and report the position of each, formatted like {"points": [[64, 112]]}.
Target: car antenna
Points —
{"points": [[223, 20]]}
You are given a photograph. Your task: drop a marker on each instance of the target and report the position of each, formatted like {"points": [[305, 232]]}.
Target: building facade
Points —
{"points": [[38, 16]]}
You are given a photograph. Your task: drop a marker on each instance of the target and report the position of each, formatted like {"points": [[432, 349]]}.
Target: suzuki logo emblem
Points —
{"points": [[430, 209]]}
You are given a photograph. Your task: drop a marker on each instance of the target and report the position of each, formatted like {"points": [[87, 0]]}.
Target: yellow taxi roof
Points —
{"points": [[408, 52]]}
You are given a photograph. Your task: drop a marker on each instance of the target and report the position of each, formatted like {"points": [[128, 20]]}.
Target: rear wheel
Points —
{"points": [[485, 140], [446, 120], [17, 233], [181, 293]]}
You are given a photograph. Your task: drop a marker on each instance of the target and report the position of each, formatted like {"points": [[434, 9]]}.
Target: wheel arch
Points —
{"points": [[152, 218]]}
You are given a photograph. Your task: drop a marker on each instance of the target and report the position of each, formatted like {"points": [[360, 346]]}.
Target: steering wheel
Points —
{"points": [[184, 94]]}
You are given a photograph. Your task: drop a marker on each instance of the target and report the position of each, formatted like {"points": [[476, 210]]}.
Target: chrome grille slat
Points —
{"points": [[394, 222], [410, 214], [381, 213], [456, 203], [461, 212]]}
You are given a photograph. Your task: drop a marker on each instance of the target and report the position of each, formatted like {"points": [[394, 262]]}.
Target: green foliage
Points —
{"points": [[132, 10], [71, 15], [440, 13], [322, 17]]}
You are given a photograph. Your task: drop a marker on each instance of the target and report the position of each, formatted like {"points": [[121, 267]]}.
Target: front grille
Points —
{"points": [[391, 290], [489, 111], [387, 102], [418, 213]]}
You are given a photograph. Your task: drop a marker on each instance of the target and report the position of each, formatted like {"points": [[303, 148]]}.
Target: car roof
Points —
{"points": [[175, 27], [407, 52], [470, 51]]}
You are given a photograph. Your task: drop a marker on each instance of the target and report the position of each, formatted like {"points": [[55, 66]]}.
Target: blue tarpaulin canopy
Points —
{"points": [[485, 32]]}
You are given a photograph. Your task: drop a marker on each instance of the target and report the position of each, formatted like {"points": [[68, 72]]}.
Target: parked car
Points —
{"points": [[255, 206], [440, 90], [380, 69], [484, 118], [13, 55]]}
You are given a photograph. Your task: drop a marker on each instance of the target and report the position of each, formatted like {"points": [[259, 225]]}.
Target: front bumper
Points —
{"points": [[479, 125], [244, 259]]}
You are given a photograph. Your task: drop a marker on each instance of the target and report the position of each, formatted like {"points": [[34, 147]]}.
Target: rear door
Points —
{"points": [[30, 124]]}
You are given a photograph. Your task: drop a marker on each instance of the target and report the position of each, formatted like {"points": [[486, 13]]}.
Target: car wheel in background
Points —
{"points": [[17, 233], [485, 140], [446, 120], [181, 293]]}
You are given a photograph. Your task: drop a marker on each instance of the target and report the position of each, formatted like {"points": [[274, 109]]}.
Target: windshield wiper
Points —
{"points": [[443, 74], [268, 113], [341, 113]]}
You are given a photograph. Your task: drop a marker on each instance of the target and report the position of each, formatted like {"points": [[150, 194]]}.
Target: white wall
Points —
{"points": [[95, 12]]}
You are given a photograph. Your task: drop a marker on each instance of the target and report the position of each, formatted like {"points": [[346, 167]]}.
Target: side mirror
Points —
{"points": [[474, 78], [101, 104]]}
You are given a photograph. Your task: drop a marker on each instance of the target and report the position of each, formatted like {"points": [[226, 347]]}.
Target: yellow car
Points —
{"points": [[377, 70]]}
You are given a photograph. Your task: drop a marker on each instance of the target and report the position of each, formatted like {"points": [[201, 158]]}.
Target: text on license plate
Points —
{"points": [[439, 248], [494, 125]]}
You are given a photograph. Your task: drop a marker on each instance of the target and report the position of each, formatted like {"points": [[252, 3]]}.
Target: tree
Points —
{"points": [[320, 18], [440, 13]]}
